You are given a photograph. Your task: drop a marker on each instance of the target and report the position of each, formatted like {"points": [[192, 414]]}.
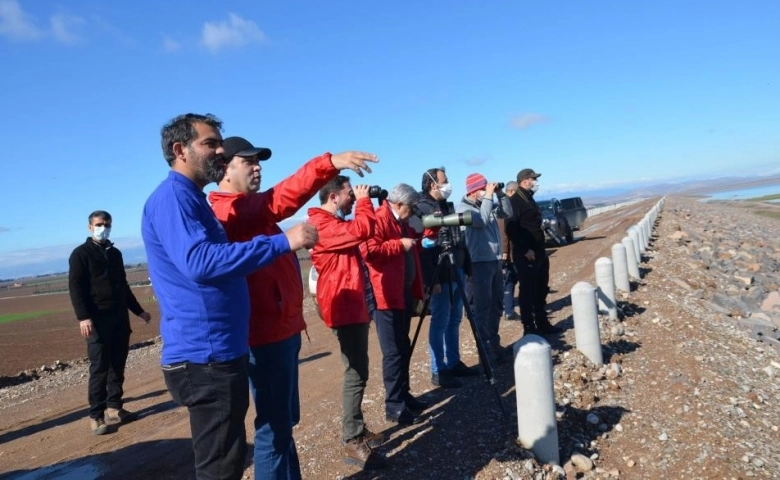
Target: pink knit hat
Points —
{"points": [[475, 182]]}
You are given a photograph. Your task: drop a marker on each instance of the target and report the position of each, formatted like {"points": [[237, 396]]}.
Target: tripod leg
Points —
{"points": [[426, 305]]}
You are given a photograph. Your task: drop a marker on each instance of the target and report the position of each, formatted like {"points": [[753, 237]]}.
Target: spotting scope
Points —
{"points": [[451, 220]]}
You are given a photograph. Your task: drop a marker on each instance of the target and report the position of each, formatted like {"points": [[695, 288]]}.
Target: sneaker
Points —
{"points": [[98, 426], [357, 452], [461, 370], [373, 440], [118, 415], [512, 317], [445, 379], [415, 405], [404, 417]]}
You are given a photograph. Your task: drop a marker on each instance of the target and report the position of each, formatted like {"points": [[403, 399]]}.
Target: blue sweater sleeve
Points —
{"points": [[197, 244]]}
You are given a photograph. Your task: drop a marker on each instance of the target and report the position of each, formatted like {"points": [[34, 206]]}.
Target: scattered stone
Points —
{"points": [[581, 462]]}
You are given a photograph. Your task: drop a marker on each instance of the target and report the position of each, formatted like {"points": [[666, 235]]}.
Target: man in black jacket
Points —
{"points": [[446, 304], [101, 297], [525, 234]]}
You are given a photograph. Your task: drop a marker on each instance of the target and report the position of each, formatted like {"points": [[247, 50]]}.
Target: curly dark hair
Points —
{"points": [[182, 129]]}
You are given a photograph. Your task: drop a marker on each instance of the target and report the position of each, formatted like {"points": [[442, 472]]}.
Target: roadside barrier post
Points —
{"points": [[633, 233], [633, 266], [644, 229], [620, 264], [537, 427], [605, 280], [587, 335]]}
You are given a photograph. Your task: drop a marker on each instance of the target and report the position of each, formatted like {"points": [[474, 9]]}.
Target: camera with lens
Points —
{"points": [[499, 185], [375, 191]]}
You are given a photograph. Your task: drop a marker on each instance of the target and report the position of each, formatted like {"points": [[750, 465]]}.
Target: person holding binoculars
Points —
{"points": [[485, 285]]}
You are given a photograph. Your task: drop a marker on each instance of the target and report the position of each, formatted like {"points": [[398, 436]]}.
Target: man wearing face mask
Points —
{"points": [[485, 286], [446, 305], [101, 298], [345, 299], [276, 292], [393, 263], [525, 233]]}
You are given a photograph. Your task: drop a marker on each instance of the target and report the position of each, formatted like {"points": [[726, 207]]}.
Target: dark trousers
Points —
{"points": [[485, 292], [392, 329], [353, 342], [107, 351], [217, 398], [534, 280], [273, 378]]}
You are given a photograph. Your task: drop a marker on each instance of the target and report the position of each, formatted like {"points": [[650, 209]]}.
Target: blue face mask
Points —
{"points": [[340, 214]]}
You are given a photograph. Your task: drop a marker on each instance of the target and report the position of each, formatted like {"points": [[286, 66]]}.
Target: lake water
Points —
{"points": [[744, 193]]}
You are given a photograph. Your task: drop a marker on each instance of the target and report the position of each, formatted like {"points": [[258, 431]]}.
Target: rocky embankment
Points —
{"points": [[695, 392]]}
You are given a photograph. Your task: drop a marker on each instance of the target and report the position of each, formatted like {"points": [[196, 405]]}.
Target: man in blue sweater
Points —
{"points": [[199, 279]]}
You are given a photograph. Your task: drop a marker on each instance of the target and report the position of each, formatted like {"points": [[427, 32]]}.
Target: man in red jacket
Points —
{"points": [[344, 297], [276, 291], [394, 265]]}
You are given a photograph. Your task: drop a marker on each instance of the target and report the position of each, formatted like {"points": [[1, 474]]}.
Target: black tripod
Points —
{"points": [[447, 261]]}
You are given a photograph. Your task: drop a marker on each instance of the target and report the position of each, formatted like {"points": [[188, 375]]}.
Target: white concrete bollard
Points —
{"points": [[605, 280], [537, 427], [587, 335], [644, 228], [633, 232], [633, 266], [620, 264]]}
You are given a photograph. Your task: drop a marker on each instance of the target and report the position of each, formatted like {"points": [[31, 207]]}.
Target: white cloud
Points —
{"points": [[234, 32], [18, 26], [15, 24], [64, 26], [170, 45], [475, 161], [526, 120]]}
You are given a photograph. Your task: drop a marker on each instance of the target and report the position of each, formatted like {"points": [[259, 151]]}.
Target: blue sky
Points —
{"points": [[591, 94]]}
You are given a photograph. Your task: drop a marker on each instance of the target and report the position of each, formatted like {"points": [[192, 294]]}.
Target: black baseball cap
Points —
{"points": [[237, 146], [527, 173]]}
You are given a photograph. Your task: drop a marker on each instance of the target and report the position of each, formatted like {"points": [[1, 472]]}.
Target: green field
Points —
{"points": [[765, 198], [12, 317]]}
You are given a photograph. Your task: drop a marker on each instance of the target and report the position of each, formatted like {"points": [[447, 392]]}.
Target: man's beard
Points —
{"points": [[209, 169], [214, 169]]}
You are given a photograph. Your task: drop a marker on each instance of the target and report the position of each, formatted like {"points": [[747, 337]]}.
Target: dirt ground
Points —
{"points": [[31, 343], [44, 431]]}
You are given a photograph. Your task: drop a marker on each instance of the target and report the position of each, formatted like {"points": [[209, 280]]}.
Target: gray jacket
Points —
{"points": [[483, 237]]}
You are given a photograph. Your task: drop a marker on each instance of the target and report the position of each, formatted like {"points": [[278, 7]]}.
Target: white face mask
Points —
{"points": [[445, 189], [101, 233], [535, 186]]}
